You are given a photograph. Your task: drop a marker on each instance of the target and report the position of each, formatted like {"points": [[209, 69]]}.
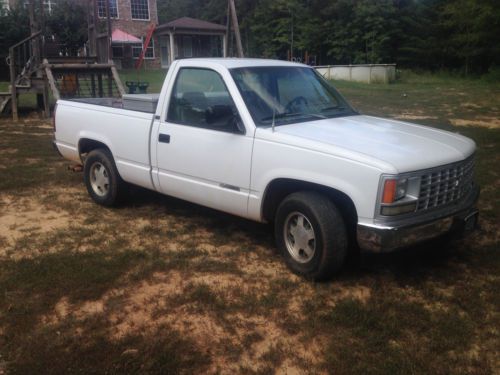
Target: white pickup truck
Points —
{"points": [[273, 141]]}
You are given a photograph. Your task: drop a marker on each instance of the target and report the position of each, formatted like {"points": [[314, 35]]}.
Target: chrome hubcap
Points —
{"points": [[299, 237], [99, 179]]}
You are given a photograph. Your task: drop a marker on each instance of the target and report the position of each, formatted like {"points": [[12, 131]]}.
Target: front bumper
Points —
{"points": [[385, 238]]}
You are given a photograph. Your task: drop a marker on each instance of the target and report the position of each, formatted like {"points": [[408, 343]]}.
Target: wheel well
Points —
{"points": [[86, 145], [280, 188]]}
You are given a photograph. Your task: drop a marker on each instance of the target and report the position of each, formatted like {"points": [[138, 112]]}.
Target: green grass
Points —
{"points": [[155, 78], [164, 286]]}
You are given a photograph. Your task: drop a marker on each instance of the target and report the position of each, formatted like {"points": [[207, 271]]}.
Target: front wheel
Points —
{"points": [[311, 234], [104, 184]]}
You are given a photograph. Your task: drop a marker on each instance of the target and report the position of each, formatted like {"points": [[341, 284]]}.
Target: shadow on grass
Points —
{"points": [[223, 227], [57, 349], [31, 288]]}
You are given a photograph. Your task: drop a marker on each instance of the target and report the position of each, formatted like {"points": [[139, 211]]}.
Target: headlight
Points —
{"points": [[399, 195]]}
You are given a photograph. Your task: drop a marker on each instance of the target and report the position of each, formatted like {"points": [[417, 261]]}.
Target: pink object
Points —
{"points": [[119, 36]]}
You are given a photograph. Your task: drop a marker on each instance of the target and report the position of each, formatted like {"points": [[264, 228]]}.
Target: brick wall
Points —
{"points": [[138, 28]]}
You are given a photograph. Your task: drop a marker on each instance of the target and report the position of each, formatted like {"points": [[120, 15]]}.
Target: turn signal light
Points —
{"points": [[389, 191]]}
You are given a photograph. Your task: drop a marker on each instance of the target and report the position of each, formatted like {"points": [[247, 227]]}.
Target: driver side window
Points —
{"points": [[200, 98]]}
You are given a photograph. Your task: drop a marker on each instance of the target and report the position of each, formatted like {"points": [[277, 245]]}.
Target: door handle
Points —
{"points": [[164, 138]]}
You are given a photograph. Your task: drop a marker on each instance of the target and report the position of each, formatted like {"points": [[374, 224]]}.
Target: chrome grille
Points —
{"points": [[445, 185]]}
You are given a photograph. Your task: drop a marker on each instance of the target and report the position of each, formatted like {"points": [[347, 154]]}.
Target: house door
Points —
{"points": [[164, 51]]}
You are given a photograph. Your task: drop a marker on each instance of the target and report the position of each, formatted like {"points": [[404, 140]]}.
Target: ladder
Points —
{"points": [[145, 46]]}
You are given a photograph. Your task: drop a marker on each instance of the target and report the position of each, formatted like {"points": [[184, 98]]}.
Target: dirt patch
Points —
{"points": [[22, 216], [408, 116], [483, 122], [31, 217], [8, 151], [470, 105]]}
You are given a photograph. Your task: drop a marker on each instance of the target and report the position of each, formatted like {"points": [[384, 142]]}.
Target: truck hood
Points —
{"points": [[404, 146]]}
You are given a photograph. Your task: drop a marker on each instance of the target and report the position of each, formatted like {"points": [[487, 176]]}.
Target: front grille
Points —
{"points": [[445, 185]]}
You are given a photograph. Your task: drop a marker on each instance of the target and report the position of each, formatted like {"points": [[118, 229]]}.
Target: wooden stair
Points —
{"points": [[4, 100], [65, 77]]}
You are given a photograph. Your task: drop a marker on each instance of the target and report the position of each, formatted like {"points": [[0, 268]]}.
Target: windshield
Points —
{"points": [[286, 95]]}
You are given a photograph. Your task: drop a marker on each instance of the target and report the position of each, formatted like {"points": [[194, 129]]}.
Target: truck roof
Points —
{"points": [[230, 63]]}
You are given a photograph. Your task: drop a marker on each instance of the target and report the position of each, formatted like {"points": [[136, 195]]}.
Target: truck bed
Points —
{"points": [[125, 132], [138, 102]]}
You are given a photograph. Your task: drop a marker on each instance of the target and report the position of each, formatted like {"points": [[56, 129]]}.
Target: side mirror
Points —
{"points": [[239, 124], [224, 117]]}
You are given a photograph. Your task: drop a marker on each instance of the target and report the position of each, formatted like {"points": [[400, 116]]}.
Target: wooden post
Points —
{"points": [[52, 81], [99, 85], [46, 104], [172, 47], [108, 21], [224, 45], [92, 85], [110, 84], [39, 101], [13, 89], [41, 41], [92, 28], [236, 29], [228, 30], [118, 81], [35, 45]]}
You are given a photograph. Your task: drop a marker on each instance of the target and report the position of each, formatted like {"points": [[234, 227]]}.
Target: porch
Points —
{"points": [[188, 37]]}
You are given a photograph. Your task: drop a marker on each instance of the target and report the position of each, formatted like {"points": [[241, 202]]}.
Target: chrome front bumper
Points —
{"points": [[391, 236]]}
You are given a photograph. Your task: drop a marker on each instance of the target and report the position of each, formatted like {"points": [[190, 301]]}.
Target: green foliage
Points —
{"points": [[14, 27], [424, 34], [475, 27], [68, 22]]}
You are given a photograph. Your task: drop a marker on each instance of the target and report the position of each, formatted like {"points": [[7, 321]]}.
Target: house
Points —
{"points": [[188, 37], [130, 22]]}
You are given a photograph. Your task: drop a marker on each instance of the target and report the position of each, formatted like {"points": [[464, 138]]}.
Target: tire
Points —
{"points": [[103, 182], [311, 235]]}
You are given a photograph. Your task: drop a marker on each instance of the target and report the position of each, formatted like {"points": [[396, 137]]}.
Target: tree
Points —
{"points": [[14, 27], [68, 23], [475, 25]]}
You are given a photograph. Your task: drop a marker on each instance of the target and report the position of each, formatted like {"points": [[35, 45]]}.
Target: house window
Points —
{"points": [[150, 51], [118, 52], [139, 9], [101, 9]]}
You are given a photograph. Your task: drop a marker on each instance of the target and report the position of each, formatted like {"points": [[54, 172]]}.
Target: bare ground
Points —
{"points": [[161, 285]]}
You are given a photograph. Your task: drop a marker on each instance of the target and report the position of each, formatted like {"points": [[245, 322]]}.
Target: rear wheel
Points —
{"points": [[311, 234], [104, 184]]}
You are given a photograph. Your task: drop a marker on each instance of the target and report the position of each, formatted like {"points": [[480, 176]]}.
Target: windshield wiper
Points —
{"points": [[291, 114], [326, 109]]}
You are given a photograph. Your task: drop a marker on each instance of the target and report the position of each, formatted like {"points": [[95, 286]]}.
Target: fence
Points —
{"points": [[367, 73]]}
